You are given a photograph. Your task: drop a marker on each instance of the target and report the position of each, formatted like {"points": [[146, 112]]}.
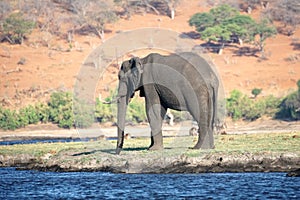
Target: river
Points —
{"points": [[15, 184]]}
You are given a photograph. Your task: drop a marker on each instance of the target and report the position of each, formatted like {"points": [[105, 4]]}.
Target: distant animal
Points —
{"points": [[127, 136], [193, 131], [101, 137]]}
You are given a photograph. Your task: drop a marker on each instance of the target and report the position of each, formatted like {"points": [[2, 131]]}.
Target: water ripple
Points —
{"points": [[97, 185]]}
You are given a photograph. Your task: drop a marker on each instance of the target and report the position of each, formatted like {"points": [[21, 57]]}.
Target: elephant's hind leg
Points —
{"points": [[205, 131], [205, 138]]}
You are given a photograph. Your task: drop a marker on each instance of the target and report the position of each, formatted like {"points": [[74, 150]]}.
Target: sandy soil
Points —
{"points": [[181, 129]]}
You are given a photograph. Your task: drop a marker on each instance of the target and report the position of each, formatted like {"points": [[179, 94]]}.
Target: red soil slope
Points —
{"points": [[50, 68]]}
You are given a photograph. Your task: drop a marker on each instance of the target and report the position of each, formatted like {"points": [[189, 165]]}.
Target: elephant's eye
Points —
{"points": [[121, 76]]}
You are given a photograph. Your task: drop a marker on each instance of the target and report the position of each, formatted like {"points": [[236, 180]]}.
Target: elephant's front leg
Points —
{"points": [[155, 114]]}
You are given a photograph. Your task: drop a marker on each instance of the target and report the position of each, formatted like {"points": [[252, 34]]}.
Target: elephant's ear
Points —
{"points": [[136, 62], [136, 74]]}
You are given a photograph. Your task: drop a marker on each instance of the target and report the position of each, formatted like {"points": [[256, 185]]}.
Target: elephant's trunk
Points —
{"points": [[122, 107]]}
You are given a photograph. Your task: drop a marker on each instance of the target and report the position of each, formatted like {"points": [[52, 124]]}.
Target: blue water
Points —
{"points": [[55, 140], [16, 184]]}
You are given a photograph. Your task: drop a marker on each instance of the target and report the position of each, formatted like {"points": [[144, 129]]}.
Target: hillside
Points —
{"points": [[30, 72]]}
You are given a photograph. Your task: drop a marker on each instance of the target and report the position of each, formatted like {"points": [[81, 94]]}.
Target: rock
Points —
{"points": [[295, 173], [47, 156]]}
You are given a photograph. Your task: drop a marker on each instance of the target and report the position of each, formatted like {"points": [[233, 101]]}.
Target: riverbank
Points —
{"points": [[268, 152]]}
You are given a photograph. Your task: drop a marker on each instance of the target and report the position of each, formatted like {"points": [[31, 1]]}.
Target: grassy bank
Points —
{"points": [[232, 153], [252, 143]]}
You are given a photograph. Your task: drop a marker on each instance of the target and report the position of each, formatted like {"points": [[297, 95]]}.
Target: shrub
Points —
{"points": [[136, 110], [253, 110], [83, 113], [235, 104], [239, 106], [61, 109], [15, 28], [256, 92], [181, 115], [9, 120], [105, 112], [290, 107], [272, 105], [28, 115], [43, 112]]}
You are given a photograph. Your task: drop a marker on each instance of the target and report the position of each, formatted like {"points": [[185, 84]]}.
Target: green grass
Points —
{"points": [[230, 144], [39, 149], [269, 142]]}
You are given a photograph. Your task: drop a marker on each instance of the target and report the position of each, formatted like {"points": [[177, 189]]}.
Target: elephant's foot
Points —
{"points": [[203, 145], [205, 141], [155, 147], [156, 142], [118, 150]]}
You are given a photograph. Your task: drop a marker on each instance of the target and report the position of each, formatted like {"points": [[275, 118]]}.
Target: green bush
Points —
{"points": [[58, 110], [136, 110], [61, 109], [9, 120], [43, 112], [256, 92], [15, 28], [290, 106], [12, 119], [236, 104], [84, 114], [105, 112], [239, 106], [272, 105], [28, 115]]}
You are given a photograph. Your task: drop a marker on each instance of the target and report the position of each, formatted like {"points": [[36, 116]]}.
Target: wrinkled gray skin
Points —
{"points": [[183, 82]]}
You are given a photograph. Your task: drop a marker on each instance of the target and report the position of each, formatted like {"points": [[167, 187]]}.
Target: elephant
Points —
{"points": [[183, 81]]}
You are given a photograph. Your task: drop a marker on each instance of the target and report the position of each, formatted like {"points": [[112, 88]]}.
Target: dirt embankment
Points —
{"points": [[130, 163]]}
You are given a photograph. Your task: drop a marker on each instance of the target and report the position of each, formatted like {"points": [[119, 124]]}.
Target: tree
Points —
{"points": [[172, 5], [157, 6], [4, 9], [201, 21], [223, 13], [287, 12], [15, 28], [256, 92], [92, 15], [222, 24], [242, 27], [251, 5], [225, 24], [264, 30]]}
